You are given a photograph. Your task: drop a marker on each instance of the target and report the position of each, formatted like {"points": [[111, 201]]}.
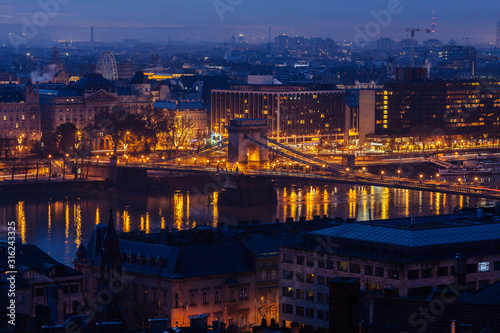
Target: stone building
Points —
{"points": [[414, 259], [46, 290], [19, 115]]}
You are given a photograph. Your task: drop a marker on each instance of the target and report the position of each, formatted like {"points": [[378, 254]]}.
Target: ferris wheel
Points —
{"points": [[107, 66]]}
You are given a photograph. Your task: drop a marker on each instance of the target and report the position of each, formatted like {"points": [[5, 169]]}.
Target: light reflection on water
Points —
{"points": [[59, 225]]}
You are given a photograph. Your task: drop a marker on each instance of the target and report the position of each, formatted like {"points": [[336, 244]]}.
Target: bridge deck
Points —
{"points": [[355, 178]]}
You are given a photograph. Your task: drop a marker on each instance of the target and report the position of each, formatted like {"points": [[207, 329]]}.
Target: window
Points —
{"points": [[329, 264], [355, 268], [287, 258], [393, 274], [243, 321], [309, 313], [442, 271], [243, 293], [426, 273], [496, 265], [287, 308], [74, 289], [232, 296], [321, 298], [379, 271], [205, 298], [217, 296], [310, 261], [273, 296], [288, 291], [471, 268], [413, 274], [321, 280], [273, 275], [483, 266], [321, 315], [39, 292], [342, 266], [310, 278], [321, 264], [299, 311], [300, 260], [192, 299], [287, 275], [300, 277], [368, 270], [299, 293], [263, 275], [310, 295]]}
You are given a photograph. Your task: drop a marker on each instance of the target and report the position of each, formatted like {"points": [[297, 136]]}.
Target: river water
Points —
{"points": [[59, 224]]}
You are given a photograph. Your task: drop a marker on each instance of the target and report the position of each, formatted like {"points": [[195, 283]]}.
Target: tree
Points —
{"points": [[113, 124], [66, 137], [179, 133], [155, 122]]}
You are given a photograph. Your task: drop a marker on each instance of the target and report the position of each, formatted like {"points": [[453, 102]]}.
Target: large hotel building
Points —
{"points": [[295, 113]]}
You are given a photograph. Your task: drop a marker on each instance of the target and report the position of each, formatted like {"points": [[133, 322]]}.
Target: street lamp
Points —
{"points": [[421, 176], [399, 173], [437, 176], [50, 165], [382, 174]]}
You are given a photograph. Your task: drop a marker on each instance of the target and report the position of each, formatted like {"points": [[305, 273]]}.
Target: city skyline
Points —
{"points": [[218, 20]]}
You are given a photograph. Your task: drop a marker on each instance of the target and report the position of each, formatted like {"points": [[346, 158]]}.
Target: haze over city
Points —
{"points": [[217, 20]]}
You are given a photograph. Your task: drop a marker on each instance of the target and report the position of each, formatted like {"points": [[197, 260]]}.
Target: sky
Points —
{"points": [[217, 20]]}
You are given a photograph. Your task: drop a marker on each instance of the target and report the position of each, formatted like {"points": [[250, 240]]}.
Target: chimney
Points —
{"points": [[460, 273], [372, 308], [344, 302], [92, 34]]}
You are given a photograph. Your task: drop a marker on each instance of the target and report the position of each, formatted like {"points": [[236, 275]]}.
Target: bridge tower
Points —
{"points": [[243, 151]]}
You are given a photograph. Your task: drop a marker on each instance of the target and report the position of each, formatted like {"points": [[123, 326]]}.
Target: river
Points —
{"points": [[59, 224]]}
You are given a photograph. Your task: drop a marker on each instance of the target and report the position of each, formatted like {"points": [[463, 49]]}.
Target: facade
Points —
{"points": [[80, 102], [43, 285], [295, 114], [413, 260], [20, 113], [438, 106]]}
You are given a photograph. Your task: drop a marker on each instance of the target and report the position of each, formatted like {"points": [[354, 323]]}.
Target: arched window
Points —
{"points": [[176, 301], [231, 296], [217, 296], [205, 298], [192, 299]]}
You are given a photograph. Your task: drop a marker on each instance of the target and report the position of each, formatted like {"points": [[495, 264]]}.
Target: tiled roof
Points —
{"points": [[371, 233]]}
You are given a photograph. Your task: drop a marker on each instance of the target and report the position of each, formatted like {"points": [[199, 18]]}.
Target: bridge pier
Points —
{"points": [[242, 151], [243, 190]]}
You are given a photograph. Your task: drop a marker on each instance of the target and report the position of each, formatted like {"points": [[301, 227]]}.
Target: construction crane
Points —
{"points": [[412, 31], [467, 39]]}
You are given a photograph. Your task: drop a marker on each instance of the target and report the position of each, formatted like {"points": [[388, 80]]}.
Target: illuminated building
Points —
{"points": [[295, 113], [437, 107], [19, 113]]}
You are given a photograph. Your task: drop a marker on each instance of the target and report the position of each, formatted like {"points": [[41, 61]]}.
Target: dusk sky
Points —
{"points": [[327, 18]]}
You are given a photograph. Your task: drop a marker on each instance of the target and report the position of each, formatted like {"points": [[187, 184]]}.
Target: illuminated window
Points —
{"points": [[483, 267]]}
